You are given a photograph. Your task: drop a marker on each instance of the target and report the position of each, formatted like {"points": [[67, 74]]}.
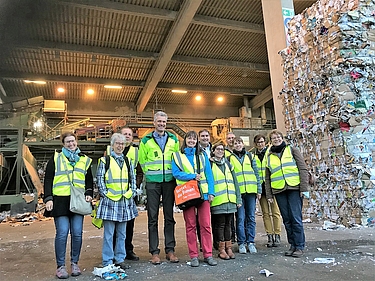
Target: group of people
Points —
{"points": [[230, 179]]}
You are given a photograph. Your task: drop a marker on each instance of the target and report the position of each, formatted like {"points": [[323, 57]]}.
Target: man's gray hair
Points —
{"points": [[160, 113], [117, 136]]}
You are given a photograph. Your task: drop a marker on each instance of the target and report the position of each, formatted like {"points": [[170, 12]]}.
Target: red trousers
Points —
{"points": [[204, 219]]}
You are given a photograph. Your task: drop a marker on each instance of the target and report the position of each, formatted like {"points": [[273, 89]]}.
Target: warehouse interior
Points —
{"points": [[92, 66]]}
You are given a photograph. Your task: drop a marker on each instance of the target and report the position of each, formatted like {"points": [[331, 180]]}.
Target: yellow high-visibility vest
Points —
{"points": [[261, 167], [244, 173], [283, 170], [225, 190], [116, 180], [184, 164], [66, 174]]}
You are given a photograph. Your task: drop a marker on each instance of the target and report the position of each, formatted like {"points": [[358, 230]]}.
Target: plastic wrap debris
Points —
{"points": [[110, 272], [323, 260], [266, 272]]}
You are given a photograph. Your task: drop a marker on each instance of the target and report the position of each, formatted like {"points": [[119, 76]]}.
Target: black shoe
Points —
{"points": [[131, 256], [270, 241], [276, 241], [122, 265]]}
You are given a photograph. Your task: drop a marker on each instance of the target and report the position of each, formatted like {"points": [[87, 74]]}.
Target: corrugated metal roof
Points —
{"points": [[94, 42]]}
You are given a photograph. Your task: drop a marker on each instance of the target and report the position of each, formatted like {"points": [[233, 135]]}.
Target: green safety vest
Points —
{"points": [[184, 164], [66, 174], [225, 190], [116, 180], [157, 164], [245, 175], [261, 167], [283, 170]]}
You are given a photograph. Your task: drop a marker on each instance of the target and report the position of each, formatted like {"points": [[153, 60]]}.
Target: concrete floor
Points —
{"points": [[27, 253]]}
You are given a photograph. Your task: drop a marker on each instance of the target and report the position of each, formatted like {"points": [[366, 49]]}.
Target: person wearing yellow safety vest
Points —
{"points": [[287, 179], [155, 157], [70, 166], [228, 151], [246, 172], [116, 189], [227, 199], [185, 167], [131, 151], [270, 212]]}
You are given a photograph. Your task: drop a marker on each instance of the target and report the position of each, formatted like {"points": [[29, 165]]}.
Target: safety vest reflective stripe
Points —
{"points": [[116, 179], [67, 175], [157, 172], [184, 164], [225, 190], [157, 162], [223, 181], [284, 170], [285, 176]]}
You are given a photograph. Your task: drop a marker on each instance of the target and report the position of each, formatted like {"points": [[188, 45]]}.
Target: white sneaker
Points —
{"points": [[252, 248], [242, 249]]}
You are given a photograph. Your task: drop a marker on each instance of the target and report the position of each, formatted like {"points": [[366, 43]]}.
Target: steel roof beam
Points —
{"points": [[262, 98], [125, 83], [179, 27], [211, 89], [164, 14], [128, 54]]}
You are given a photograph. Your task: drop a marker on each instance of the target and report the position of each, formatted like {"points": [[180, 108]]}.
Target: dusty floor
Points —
{"points": [[26, 253]]}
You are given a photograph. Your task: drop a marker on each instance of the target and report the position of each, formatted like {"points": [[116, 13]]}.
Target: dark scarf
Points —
{"points": [[72, 156], [241, 153], [261, 153], [278, 149]]}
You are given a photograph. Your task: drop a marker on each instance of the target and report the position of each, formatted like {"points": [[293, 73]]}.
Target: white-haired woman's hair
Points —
{"points": [[160, 113], [117, 136]]}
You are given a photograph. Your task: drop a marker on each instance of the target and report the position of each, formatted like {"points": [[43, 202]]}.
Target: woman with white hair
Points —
{"points": [[116, 184]]}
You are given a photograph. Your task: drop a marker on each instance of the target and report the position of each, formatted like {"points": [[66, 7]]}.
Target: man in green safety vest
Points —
{"points": [[155, 157]]}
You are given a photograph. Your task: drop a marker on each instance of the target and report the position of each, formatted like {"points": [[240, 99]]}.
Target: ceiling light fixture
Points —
{"points": [[35, 82], [90, 91], [60, 90], [198, 98], [262, 71], [220, 99], [112, 87], [244, 74], [179, 91]]}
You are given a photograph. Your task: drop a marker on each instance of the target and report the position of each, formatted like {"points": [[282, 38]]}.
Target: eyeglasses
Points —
{"points": [[220, 149], [119, 143]]}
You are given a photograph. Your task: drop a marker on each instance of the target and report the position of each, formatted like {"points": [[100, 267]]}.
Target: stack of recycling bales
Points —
{"points": [[329, 106]]}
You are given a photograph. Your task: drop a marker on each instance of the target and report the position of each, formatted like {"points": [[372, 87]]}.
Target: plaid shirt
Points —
{"points": [[122, 210]]}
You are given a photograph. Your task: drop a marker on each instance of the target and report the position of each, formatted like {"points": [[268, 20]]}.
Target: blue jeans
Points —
{"points": [[63, 225], [290, 205], [110, 255], [246, 219]]}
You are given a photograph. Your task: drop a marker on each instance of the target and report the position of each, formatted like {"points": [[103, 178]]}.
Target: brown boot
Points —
{"points": [[228, 249], [222, 254]]}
